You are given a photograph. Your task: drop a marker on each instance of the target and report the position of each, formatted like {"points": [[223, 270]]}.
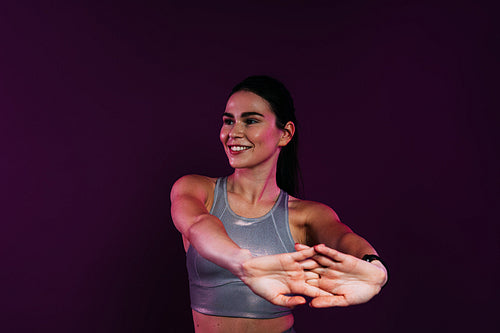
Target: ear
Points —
{"points": [[288, 133]]}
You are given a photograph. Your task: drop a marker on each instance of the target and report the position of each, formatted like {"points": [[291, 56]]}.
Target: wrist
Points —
{"points": [[377, 261], [380, 265], [238, 263]]}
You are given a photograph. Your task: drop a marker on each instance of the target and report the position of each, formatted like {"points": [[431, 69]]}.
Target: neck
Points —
{"points": [[255, 185]]}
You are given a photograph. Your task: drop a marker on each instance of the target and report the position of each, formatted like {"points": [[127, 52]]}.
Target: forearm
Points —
{"points": [[209, 237], [357, 246], [200, 229]]}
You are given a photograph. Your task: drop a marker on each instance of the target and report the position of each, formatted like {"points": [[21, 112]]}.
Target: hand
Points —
{"points": [[274, 276], [350, 280]]}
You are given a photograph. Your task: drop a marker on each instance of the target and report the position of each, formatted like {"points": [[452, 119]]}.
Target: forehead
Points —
{"points": [[246, 101]]}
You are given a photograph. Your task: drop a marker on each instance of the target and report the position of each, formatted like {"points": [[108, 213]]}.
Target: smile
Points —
{"points": [[238, 148]]}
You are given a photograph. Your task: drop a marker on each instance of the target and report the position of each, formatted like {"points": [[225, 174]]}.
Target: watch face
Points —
{"points": [[371, 257]]}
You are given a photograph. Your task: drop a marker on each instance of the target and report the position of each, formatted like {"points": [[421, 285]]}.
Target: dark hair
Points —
{"points": [[288, 175]]}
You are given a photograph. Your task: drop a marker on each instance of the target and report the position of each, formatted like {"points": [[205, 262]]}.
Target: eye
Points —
{"points": [[250, 121], [227, 121]]}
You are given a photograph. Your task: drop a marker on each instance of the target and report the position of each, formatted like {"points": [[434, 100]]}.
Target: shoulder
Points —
{"points": [[320, 222], [193, 184], [311, 212]]}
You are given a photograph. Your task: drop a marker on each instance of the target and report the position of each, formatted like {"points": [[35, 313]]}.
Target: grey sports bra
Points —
{"points": [[216, 291]]}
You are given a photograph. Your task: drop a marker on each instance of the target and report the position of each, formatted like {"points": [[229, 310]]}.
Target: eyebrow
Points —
{"points": [[243, 115]]}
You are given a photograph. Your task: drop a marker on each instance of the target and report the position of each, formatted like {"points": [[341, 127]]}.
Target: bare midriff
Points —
{"points": [[215, 324]]}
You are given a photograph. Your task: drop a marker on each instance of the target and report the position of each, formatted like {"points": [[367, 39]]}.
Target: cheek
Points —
{"points": [[222, 135], [269, 137]]}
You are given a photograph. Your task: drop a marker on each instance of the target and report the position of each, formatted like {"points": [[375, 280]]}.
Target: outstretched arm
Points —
{"points": [[199, 228], [271, 277]]}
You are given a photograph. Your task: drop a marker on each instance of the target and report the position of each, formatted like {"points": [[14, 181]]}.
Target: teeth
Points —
{"points": [[238, 148]]}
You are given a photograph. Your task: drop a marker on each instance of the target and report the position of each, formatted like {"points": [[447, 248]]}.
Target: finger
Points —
{"points": [[310, 275], [312, 291], [288, 301], [313, 282], [324, 260], [328, 301], [329, 252], [309, 264], [299, 246], [303, 254], [333, 286], [321, 271]]}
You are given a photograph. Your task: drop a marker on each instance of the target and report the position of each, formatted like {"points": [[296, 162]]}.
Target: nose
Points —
{"points": [[237, 130]]}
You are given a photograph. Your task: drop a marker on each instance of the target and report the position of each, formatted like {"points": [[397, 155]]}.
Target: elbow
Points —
{"points": [[196, 228]]}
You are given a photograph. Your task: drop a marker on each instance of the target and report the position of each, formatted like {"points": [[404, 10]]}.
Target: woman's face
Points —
{"points": [[249, 133]]}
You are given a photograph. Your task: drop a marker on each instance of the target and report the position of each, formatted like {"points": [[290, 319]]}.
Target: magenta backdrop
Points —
{"points": [[104, 105]]}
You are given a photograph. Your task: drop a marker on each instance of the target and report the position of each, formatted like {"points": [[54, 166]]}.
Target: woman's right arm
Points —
{"points": [[200, 229], [272, 277]]}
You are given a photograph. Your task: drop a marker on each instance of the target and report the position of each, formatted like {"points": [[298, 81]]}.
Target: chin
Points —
{"points": [[237, 164]]}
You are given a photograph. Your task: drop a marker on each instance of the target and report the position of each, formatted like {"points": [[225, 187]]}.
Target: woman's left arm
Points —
{"points": [[339, 256]]}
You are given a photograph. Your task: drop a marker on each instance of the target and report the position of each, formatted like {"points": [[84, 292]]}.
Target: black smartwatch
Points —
{"points": [[371, 257]]}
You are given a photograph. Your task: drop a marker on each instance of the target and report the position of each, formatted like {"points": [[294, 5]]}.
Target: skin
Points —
{"points": [[331, 277]]}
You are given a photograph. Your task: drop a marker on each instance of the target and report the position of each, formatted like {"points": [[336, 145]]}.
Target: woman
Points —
{"points": [[253, 248]]}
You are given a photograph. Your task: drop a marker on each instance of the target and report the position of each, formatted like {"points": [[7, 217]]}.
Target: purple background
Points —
{"points": [[104, 105]]}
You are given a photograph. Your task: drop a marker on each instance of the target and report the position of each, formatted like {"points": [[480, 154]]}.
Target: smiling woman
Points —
{"points": [[253, 248]]}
